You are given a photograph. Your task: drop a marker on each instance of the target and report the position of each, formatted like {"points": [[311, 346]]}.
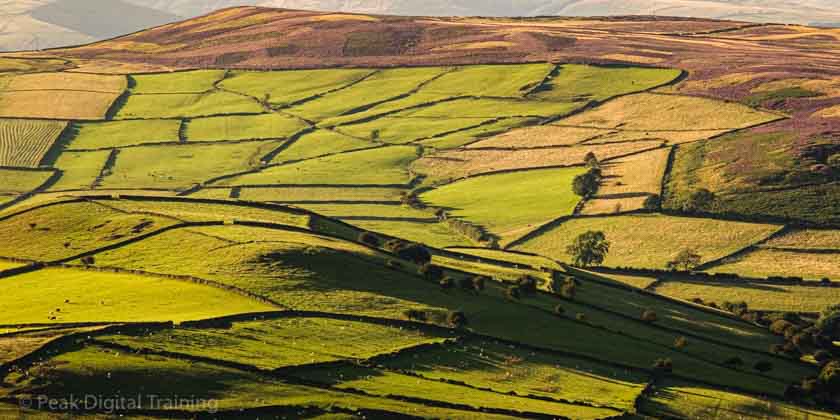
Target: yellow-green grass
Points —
{"points": [[676, 399], [370, 211], [298, 194], [214, 193], [187, 105], [64, 230], [181, 166], [111, 374], [383, 85], [458, 163], [64, 81], [501, 273], [203, 212], [652, 112], [628, 181], [56, 104], [243, 127], [536, 261], [580, 82], [436, 235], [651, 241], [286, 87], [123, 133], [807, 239], [17, 181], [511, 204], [12, 64], [197, 81], [384, 109], [762, 263], [380, 166], [24, 143], [465, 137], [491, 108], [8, 265], [384, 383], [282, 342], [541, 136], [321, 143], [42, 296], [505, 80], [505, 368], [402, 130], [765, 297], [79, 169]]}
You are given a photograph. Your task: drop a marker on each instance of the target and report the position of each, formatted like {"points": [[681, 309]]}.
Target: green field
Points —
{"points": [[320, 143], [198, 81], [183, 165], [123, 133], [383, 166], [18, 181], [769, 297], [79, 169], [577, 82], [243, 127], [286, 87], [186, 105], [67, 295], [509, 205]]}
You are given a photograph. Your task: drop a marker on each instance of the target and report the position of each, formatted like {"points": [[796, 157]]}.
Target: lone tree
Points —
{"points": [[586, 184], [652, 203], [478, 283], [590, 248], [686, 260], [430, 272], [415, 253], [699, 200]]}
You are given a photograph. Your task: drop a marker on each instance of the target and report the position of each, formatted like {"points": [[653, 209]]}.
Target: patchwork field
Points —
{"points": [[351, 216]]}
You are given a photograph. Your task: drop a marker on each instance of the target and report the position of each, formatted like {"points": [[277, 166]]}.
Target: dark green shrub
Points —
{"points": [[478, 283], [514, 293], [457, 319], [559, 310], [447, 283], [649, 316], [430, 272], [763, 366], [370, 239], [652, 203]]}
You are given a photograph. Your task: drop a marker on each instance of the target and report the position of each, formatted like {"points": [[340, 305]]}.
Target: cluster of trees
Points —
{"points": [[586, 185], [686, 260]]}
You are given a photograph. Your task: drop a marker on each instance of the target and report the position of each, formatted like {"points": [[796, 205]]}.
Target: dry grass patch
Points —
{"points": [[629, 181], [542, 136], [651, 241], [654, 112], [24, 143], [65, 81], [807, 239], [773, 262], [56, 104], [456, 164], [672, 137]]}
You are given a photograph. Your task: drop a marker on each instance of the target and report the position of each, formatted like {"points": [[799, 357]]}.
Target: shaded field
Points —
{"points": [[651, 241], [24, 143]]}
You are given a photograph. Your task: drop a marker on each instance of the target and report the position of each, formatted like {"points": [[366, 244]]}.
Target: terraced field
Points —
{"points": [[373, 241]]}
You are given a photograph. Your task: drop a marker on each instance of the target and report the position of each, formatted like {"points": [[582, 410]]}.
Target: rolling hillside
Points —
{"points": [[267, 213]]}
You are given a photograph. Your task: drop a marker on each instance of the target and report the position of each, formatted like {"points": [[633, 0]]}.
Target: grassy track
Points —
{"points": [[512, 204], [25, 142]]}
